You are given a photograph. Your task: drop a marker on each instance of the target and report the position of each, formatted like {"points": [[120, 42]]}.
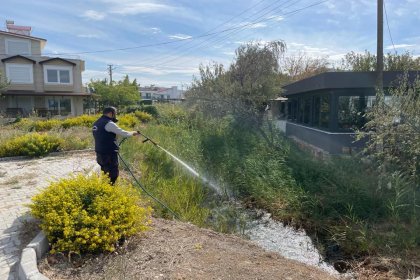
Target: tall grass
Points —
{"points": [[337, 200], [182, 193], [350, 210]]}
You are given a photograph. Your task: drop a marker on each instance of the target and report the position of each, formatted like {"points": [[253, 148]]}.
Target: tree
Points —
{"points": [[367, 62], [300, 66], [121, 93], [393, 129], [243, 90]]}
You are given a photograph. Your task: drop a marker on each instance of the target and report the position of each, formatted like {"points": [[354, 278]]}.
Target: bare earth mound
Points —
{"points": [[175, 250]]}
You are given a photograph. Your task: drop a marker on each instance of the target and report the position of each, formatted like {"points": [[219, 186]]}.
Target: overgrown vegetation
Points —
{"points": [[338, 201], [349, 205], [87, 214]]}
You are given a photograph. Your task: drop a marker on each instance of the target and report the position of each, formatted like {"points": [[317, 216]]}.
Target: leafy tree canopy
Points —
{"points": [[301, 66], [244, 89], [367, 62], [121, 93]]}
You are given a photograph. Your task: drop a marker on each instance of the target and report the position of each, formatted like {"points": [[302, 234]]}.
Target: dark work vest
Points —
{"points": [[105, 142]]}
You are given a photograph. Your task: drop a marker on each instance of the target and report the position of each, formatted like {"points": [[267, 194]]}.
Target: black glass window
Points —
{"points": [[321, 110], [351, 112]]}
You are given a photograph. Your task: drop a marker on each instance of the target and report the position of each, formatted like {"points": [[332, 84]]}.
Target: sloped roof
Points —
{"points": [[22, 36], [57, 58], [18, 56]]}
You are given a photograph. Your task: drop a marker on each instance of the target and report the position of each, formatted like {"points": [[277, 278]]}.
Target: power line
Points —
{"points": [[260, 19], [161, 43], [389, 30], [215, 28], [237, 28], [243, 27]]}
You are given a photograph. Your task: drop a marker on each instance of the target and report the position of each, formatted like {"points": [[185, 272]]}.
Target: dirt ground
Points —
{"points": [[174, 250]]}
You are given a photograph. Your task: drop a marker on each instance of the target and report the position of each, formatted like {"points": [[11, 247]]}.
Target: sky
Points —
{"points": [[163, 42]]}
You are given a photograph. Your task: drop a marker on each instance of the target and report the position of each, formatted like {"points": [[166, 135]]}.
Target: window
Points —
{"points": [[58, 74], [304, 109], [59, 106], [321, 110], [351, 112], [52, 76], [292, 109], [15, 46], [19, 73]]}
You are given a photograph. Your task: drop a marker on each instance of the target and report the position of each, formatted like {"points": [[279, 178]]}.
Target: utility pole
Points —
{"points": [[110, 68], [380, 47]]}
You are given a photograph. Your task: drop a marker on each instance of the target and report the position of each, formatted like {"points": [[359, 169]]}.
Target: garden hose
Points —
{"points": [[140, 184]]}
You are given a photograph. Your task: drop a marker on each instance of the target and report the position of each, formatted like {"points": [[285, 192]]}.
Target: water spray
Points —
{"points": [[186, 166], [143, 188]]}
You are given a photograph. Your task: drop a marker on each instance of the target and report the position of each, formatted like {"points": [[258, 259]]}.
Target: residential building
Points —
{"points": [[39, 84], [324, 111], [161, 93]]}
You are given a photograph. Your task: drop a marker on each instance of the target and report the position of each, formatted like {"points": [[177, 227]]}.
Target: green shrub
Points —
{"points": [[143, 116], [131, 109], [146, 102], [83, 120], [87, 214], [33, 144], [150, 109]]}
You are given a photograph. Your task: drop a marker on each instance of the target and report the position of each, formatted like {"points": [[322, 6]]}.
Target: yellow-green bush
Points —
{"points": [[24, 124], [37, 125], [43, 125], [128, 121], [87, 214], [143, 116], [83, 120], [33, 144]]}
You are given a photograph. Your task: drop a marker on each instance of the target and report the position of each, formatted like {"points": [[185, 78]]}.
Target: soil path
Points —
{"points": [[175, 250]]}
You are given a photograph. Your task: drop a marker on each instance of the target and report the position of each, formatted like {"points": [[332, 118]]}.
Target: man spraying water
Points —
{"points": [[105, 131]]}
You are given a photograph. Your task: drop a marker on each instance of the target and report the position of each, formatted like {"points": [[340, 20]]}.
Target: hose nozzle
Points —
{"points": [[147, 139]]}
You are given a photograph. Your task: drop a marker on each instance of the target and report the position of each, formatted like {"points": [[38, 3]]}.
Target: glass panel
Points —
{"points": [[321, 111], [65, 76], [300, 110], [52, 107], [52, 76], [52, 104], [65, 107], [306, 109], [324, 114], [351, 111]]}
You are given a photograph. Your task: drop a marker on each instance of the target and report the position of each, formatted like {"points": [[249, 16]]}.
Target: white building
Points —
{"points": [[162, 93]]}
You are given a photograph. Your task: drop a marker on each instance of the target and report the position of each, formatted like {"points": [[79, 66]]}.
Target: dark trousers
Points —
{"points": [[109, 165]]}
